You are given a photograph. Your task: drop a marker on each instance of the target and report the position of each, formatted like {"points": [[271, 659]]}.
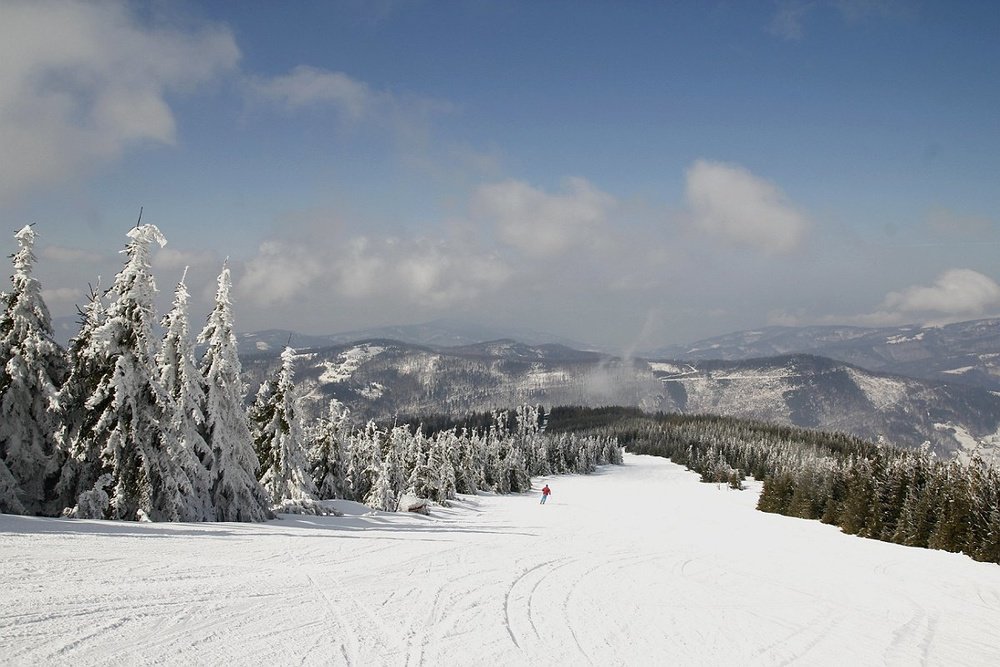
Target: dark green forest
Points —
{"points": [[902, 496]]}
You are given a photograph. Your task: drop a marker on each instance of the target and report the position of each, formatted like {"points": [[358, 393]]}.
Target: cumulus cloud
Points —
{"points": [[308, 86], [957, 294], [63, 296], [170, 258], [435, 274], [542, 224], [279, 272], [730, 203], [81, 82]]}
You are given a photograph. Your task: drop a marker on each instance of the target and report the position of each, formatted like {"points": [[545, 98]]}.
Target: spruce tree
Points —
{"points": [[182, 383], [328, 454], [236, 493], [284, 472], [384, 494], [32, 367], [80, 448], [138, 443]]}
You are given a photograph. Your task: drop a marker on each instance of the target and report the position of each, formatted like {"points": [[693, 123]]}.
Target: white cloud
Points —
{"points": [[175, 258], [542, 224], [63, 296], [729, 202], [308, 86], [435, 274], [81, 82], [956, 295], [279, 272], [955, 292]]}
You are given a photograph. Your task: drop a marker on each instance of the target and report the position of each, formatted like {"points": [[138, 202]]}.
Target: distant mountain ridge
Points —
{"points": [[384, 379], [444, 333], [960, 353]]}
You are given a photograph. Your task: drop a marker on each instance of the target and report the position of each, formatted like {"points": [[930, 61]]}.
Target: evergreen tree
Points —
{"points": [[137, 441], [32, 367], [385, 492], [284, 472], [182, 383], [328, 455], [236, 493], [79, 447], [364, 461]]}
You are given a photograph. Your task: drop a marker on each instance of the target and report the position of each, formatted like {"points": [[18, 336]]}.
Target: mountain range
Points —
{"points": [[963, 353], [383, 379]]}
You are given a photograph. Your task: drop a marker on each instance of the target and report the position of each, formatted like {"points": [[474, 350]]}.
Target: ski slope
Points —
{"points": [[639, 564]]}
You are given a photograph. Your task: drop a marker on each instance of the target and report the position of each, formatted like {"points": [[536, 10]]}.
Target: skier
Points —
{"points": [[545, 493]]}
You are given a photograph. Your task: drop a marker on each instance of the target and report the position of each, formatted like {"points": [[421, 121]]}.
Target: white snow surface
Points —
{"points": [[347, 362], [634, 565]]}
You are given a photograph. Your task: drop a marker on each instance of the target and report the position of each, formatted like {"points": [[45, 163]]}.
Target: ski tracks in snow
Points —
{"points": [[636, 565]]}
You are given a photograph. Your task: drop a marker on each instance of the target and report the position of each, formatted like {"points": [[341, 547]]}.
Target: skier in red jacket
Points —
{"points": [[545, 493]]}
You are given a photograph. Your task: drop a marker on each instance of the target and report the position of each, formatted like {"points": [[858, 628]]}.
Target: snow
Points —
{"points": [[372, 391], [896, 340], [632, 565], [960, 371], [749, 393], [347, 362], [986, 446], [664, 367], [881, 391]]}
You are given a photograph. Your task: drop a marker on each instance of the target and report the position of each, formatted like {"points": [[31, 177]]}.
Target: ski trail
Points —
{"points": [[686, 574]]}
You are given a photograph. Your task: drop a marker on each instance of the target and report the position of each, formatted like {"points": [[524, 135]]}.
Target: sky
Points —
{"points": [[625, 174]]}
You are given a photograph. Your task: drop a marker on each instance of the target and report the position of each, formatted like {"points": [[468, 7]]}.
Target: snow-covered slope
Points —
{"points": [[634, 565]]}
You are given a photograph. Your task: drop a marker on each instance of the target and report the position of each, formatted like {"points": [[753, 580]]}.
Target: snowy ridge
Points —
{"points": [[930, 352], [383, 379], [496, 580], [347, 362]]}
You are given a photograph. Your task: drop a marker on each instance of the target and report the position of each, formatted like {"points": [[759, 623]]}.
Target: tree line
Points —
{"points": [[125, 425], [877, 491]]}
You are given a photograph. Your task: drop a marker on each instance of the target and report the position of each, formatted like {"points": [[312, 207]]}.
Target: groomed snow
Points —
{"points": [[640, 564]]}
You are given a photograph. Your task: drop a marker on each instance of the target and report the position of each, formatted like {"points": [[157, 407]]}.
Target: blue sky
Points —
{"points": [[631, 174]]}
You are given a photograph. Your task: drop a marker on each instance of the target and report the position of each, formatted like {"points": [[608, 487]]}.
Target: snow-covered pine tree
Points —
{"points": [[182, 383], [134, 425], [285, 475], [364, 460], [398, 444], [80, 449], [32, 366], [422, 480], [236, 493], [328, 454], [384, 495], [259, 414], [443, 452]]}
